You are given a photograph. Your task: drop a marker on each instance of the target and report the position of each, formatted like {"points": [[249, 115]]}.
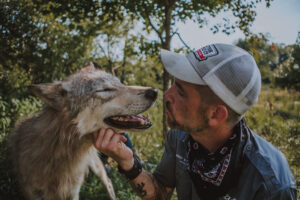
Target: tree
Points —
{"points": [[161, 16], [288, 72], [278, 63], [265, 54]]}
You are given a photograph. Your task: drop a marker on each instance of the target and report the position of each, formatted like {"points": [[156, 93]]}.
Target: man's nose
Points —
{"points": [[167, 96], [151, 94]]}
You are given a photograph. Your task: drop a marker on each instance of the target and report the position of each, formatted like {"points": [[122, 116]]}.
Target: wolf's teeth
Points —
{"points": [[142, 122]]}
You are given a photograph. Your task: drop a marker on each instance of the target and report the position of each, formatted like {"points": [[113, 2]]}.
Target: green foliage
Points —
{"points": [[288, 73], [264, 53], [278, 64], [10, 112], [94, 189], [9, 188], [161, 16], [14, 110]]}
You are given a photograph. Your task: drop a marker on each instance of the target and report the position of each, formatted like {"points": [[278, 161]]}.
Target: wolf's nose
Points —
{"points": [[151, 94]]}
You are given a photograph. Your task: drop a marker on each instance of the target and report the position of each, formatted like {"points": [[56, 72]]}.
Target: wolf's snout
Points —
{"points": [[151, 94]]}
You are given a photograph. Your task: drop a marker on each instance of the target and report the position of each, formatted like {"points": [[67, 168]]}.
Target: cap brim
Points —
{"points": [[178, 66]]}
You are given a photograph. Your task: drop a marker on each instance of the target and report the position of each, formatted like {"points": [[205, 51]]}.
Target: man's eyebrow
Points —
{"points": [[179, 86]]}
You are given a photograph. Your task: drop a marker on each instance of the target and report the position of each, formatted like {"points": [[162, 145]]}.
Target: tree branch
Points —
{"points": [[147, 17]]}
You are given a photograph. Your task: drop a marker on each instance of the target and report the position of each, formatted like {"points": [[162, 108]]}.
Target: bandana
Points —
{"points": [[213, 174], [211, 167]]}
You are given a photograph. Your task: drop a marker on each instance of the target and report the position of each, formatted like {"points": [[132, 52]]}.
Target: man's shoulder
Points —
{"points": [[269, 162]]}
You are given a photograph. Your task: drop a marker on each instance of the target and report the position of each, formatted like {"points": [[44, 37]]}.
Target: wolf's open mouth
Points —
{"points": [[129, 122]]}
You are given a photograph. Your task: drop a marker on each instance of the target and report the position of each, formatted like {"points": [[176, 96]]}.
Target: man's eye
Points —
{"points": [[180, 93]]}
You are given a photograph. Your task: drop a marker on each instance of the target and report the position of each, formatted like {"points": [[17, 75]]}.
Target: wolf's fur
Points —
{"points": [[54, 150]]}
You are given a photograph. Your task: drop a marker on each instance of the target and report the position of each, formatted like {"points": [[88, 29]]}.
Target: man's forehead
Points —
{"points": [[184, 83], [189, 87]]}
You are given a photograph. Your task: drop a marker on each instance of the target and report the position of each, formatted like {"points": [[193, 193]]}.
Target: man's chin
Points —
{"points": [[173, 124]]}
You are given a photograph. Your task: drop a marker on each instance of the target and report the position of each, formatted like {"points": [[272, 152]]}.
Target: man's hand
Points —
{"points": [[112, 144]]}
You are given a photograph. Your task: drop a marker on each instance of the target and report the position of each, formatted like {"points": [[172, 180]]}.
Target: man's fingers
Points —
{"points": [[123, 138], [115, 142], [107, 136], [95, 134], [112, 144], [117, 138], [98, 137]]}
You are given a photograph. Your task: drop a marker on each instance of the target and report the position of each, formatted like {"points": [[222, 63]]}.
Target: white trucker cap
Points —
{"points": [[230, 72]]}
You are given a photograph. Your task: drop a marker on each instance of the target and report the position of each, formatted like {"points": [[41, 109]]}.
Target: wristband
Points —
{"points": [[134, 171]]}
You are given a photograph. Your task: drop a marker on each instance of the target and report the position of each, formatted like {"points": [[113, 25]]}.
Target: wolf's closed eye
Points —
{"points": [[106, 93], [106, 90]]}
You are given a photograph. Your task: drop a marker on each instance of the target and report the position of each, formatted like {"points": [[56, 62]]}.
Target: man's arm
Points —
{"points": [[149, 188], [112, 144]]}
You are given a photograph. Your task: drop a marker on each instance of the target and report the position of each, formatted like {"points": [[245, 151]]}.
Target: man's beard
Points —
{"points": [[173, 124]]}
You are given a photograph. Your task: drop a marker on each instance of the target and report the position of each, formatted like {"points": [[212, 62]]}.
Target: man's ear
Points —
{"points": [[50, 93], [217, 115]]}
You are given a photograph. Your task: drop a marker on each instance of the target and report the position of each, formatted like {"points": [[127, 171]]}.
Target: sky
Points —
{"points": [[281, 20]]}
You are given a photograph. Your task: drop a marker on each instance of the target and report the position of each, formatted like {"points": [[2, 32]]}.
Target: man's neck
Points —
{"points": [[213, 138]]}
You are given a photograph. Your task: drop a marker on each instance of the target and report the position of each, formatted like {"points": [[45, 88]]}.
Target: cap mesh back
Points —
{"points": [[234, 75], [251, 96], [231, 73]]}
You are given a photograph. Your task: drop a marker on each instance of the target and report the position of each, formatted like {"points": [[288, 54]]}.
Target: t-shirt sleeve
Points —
{"points": [[165, 170]]}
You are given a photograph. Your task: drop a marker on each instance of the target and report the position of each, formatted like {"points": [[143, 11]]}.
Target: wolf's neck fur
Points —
{"points": [[50, 130]]}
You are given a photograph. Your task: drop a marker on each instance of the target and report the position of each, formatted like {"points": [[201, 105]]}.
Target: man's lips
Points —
{"points": [[169, 111]]}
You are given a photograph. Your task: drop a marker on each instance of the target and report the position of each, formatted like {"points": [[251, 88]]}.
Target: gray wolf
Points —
{"points": [[53, 151]]}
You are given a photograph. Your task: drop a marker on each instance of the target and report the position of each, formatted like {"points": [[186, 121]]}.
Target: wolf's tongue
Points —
{"points": [[129, 122]]}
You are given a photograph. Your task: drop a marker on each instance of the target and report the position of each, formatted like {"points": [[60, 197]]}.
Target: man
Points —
{"points": [[210, 153]]}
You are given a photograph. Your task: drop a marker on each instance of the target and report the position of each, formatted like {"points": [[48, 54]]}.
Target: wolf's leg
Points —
{"points": [[98, 168]]}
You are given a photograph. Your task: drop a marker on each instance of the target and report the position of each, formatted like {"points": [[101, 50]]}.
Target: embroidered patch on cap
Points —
{"points": [[205, 52]]}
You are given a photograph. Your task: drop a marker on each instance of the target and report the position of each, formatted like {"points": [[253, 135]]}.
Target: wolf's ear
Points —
{"points": [[91, 67], [97, 66], [50, 93]]}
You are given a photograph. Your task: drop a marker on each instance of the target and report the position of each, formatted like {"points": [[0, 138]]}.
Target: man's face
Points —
{"points": [[184, 107]]}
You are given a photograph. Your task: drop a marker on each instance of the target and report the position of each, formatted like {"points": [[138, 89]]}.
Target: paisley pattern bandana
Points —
{"points": [[211, 167]]}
